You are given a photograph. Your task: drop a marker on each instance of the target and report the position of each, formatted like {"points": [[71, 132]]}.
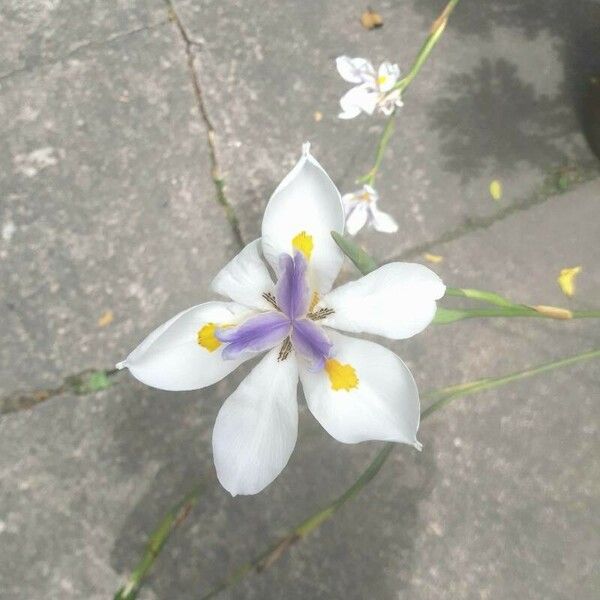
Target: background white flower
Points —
{"points": [[357, 389], [360, 208], [372, 89]]}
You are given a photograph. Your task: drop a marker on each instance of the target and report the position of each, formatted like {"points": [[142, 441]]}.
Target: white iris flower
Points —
{"points": [[373, 89], [361, 209], [279, 302]]}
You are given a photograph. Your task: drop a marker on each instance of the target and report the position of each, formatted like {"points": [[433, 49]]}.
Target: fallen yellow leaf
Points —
{"points": [[496, 190], [566, 280], [106, 318], [433, 258], [318, 116], [370, 19]]}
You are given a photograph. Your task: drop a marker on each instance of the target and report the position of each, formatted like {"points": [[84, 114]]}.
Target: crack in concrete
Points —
{"points": [[550, 188], [88, 381], [81, 48], [217, 178]]}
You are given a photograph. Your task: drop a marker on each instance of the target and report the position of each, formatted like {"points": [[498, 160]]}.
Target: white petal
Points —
{"points": [[384, 405], [306, 200], [170, 358], [350, 112], [256, 428], [349, 201], [387, 76], [245, 278], [362, 97], [396, 300], [354, 70], [357, 218], [381, 221], [374, 195]]}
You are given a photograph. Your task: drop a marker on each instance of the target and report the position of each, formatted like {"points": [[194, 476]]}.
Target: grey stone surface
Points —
{"points": [[496, 101], [35, 32], [107, 203]]}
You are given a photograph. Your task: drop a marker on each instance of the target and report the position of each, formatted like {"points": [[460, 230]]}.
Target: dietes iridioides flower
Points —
{"points": [[361, 209], [373, 89], [357, 389]]}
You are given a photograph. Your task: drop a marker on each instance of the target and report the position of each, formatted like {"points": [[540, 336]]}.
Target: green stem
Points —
{"points": [[369, 178], [158, 539], [502, 307], [432, 39], [440, 398]]}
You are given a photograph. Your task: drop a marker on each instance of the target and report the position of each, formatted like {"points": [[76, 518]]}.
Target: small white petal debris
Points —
{"points": [[361, 209], [37, 160], [373, 90], [8, 230]]}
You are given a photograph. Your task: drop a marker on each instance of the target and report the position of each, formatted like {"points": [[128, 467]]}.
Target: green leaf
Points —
{"points": [[489, 297], [363, 262], [444, 316]]}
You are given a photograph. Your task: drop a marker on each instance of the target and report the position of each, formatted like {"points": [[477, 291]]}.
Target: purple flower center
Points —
{"points": [[288, 325]]}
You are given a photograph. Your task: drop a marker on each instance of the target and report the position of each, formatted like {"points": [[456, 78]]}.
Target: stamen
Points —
{"points": [[207, 337], [314, 301], [271, 300], [322, 313], [286, 348], [303, 242], [341, 376]]}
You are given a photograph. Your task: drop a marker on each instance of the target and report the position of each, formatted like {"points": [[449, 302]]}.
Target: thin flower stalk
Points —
{"points": [[170, 522], [439, 399], [437, 29], [501, 306]]}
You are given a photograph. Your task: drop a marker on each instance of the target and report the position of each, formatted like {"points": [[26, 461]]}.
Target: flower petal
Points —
{"points": [[381, 221], [396, 300], [257, 426], [387, 76], [171, 358], [245, 278], [349, 112], [257, 334], [305, 202], [292, 292], [349, 201], [310, 342], [362, 97], [354, 70], [383, 405], [357, 218]]}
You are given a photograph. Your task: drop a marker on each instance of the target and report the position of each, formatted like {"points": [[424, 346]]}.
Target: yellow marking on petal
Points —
{"points": [[207, 337], [341, 376], [566, 280], [433, 258], [496, 190], [381, 79], [314, 301], [303, 242]]}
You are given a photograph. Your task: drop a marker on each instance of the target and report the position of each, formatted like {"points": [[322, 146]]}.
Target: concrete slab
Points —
{"points": [[107, 205], [38, 32], [500, 502], [492, 103]]}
